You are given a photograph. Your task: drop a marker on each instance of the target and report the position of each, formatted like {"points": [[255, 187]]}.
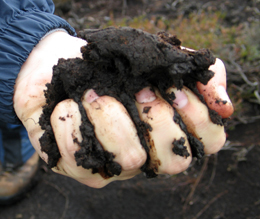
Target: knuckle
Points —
{"points": [[179, 166], [202, 122], [64, 106], [67, 109], [216, 144], [182, 165], [134, 160]]}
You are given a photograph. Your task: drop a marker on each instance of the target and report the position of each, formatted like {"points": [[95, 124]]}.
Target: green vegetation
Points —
{"points": [[204, 30]]}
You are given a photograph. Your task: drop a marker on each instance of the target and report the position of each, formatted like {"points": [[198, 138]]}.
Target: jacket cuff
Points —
{"points": [[17, 40]]}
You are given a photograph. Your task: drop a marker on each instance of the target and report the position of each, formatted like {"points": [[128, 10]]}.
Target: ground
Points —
{"points": [[223, 186]]}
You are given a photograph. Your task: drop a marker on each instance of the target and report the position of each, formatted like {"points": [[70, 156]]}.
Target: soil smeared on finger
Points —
{"points": [[120, 62]]}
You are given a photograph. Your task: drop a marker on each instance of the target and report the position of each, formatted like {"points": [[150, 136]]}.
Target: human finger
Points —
{"points": [[116, 132], [164, 133], [196, 117], [65, 121]]}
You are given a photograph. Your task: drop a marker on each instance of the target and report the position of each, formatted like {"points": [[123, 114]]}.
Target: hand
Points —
{"points": [[113, 127]]}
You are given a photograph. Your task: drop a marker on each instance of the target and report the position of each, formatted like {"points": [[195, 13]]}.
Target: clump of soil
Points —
{"points": [[120, 62]]}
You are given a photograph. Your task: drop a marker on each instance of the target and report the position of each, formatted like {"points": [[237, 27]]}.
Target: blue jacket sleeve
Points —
{"points": [[22, 25]]}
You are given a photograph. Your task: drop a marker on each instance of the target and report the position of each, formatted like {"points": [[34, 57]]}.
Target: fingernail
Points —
{"points": [[145, 96], [181, 99], [222, 93], [91, 96]]}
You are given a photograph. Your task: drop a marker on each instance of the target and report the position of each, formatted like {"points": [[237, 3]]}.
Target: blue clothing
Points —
{"points": [[15, 146], [22, 25]]}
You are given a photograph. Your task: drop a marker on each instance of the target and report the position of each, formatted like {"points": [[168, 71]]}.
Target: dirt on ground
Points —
{"points": [[222, 186]]}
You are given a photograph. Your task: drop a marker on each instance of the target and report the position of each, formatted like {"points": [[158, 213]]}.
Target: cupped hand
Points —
{"points": [[113, 126]]}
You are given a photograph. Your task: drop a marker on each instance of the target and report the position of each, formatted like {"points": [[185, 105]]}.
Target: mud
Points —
{"points": [[120, 62], [179, 148]]}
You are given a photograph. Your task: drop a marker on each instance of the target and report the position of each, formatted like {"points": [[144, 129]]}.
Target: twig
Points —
{"points": [[247, 120], [189, 197], [63, 194], [213, 174], [209, 204], [242, 74], [232, 145]]}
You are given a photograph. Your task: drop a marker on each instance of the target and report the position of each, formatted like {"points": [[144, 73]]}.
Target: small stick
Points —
{"points": [[213, 171], [209, 204], [203, 169], [63, 194]]}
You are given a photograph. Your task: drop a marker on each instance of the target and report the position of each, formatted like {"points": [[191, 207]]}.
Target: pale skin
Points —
{"points": [[113, 126]]}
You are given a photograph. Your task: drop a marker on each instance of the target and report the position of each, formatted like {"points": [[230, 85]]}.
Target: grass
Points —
{"points": [[203, 30]]}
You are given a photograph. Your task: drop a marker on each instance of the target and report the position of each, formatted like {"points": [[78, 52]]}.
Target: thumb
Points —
{"points": [[215, 93]]}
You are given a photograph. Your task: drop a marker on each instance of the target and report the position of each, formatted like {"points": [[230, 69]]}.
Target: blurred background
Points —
{"points": [[223, 186]]}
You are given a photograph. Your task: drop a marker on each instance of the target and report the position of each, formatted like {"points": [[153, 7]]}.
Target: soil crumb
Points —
{"points": [[120, 62], [179, 148]]}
